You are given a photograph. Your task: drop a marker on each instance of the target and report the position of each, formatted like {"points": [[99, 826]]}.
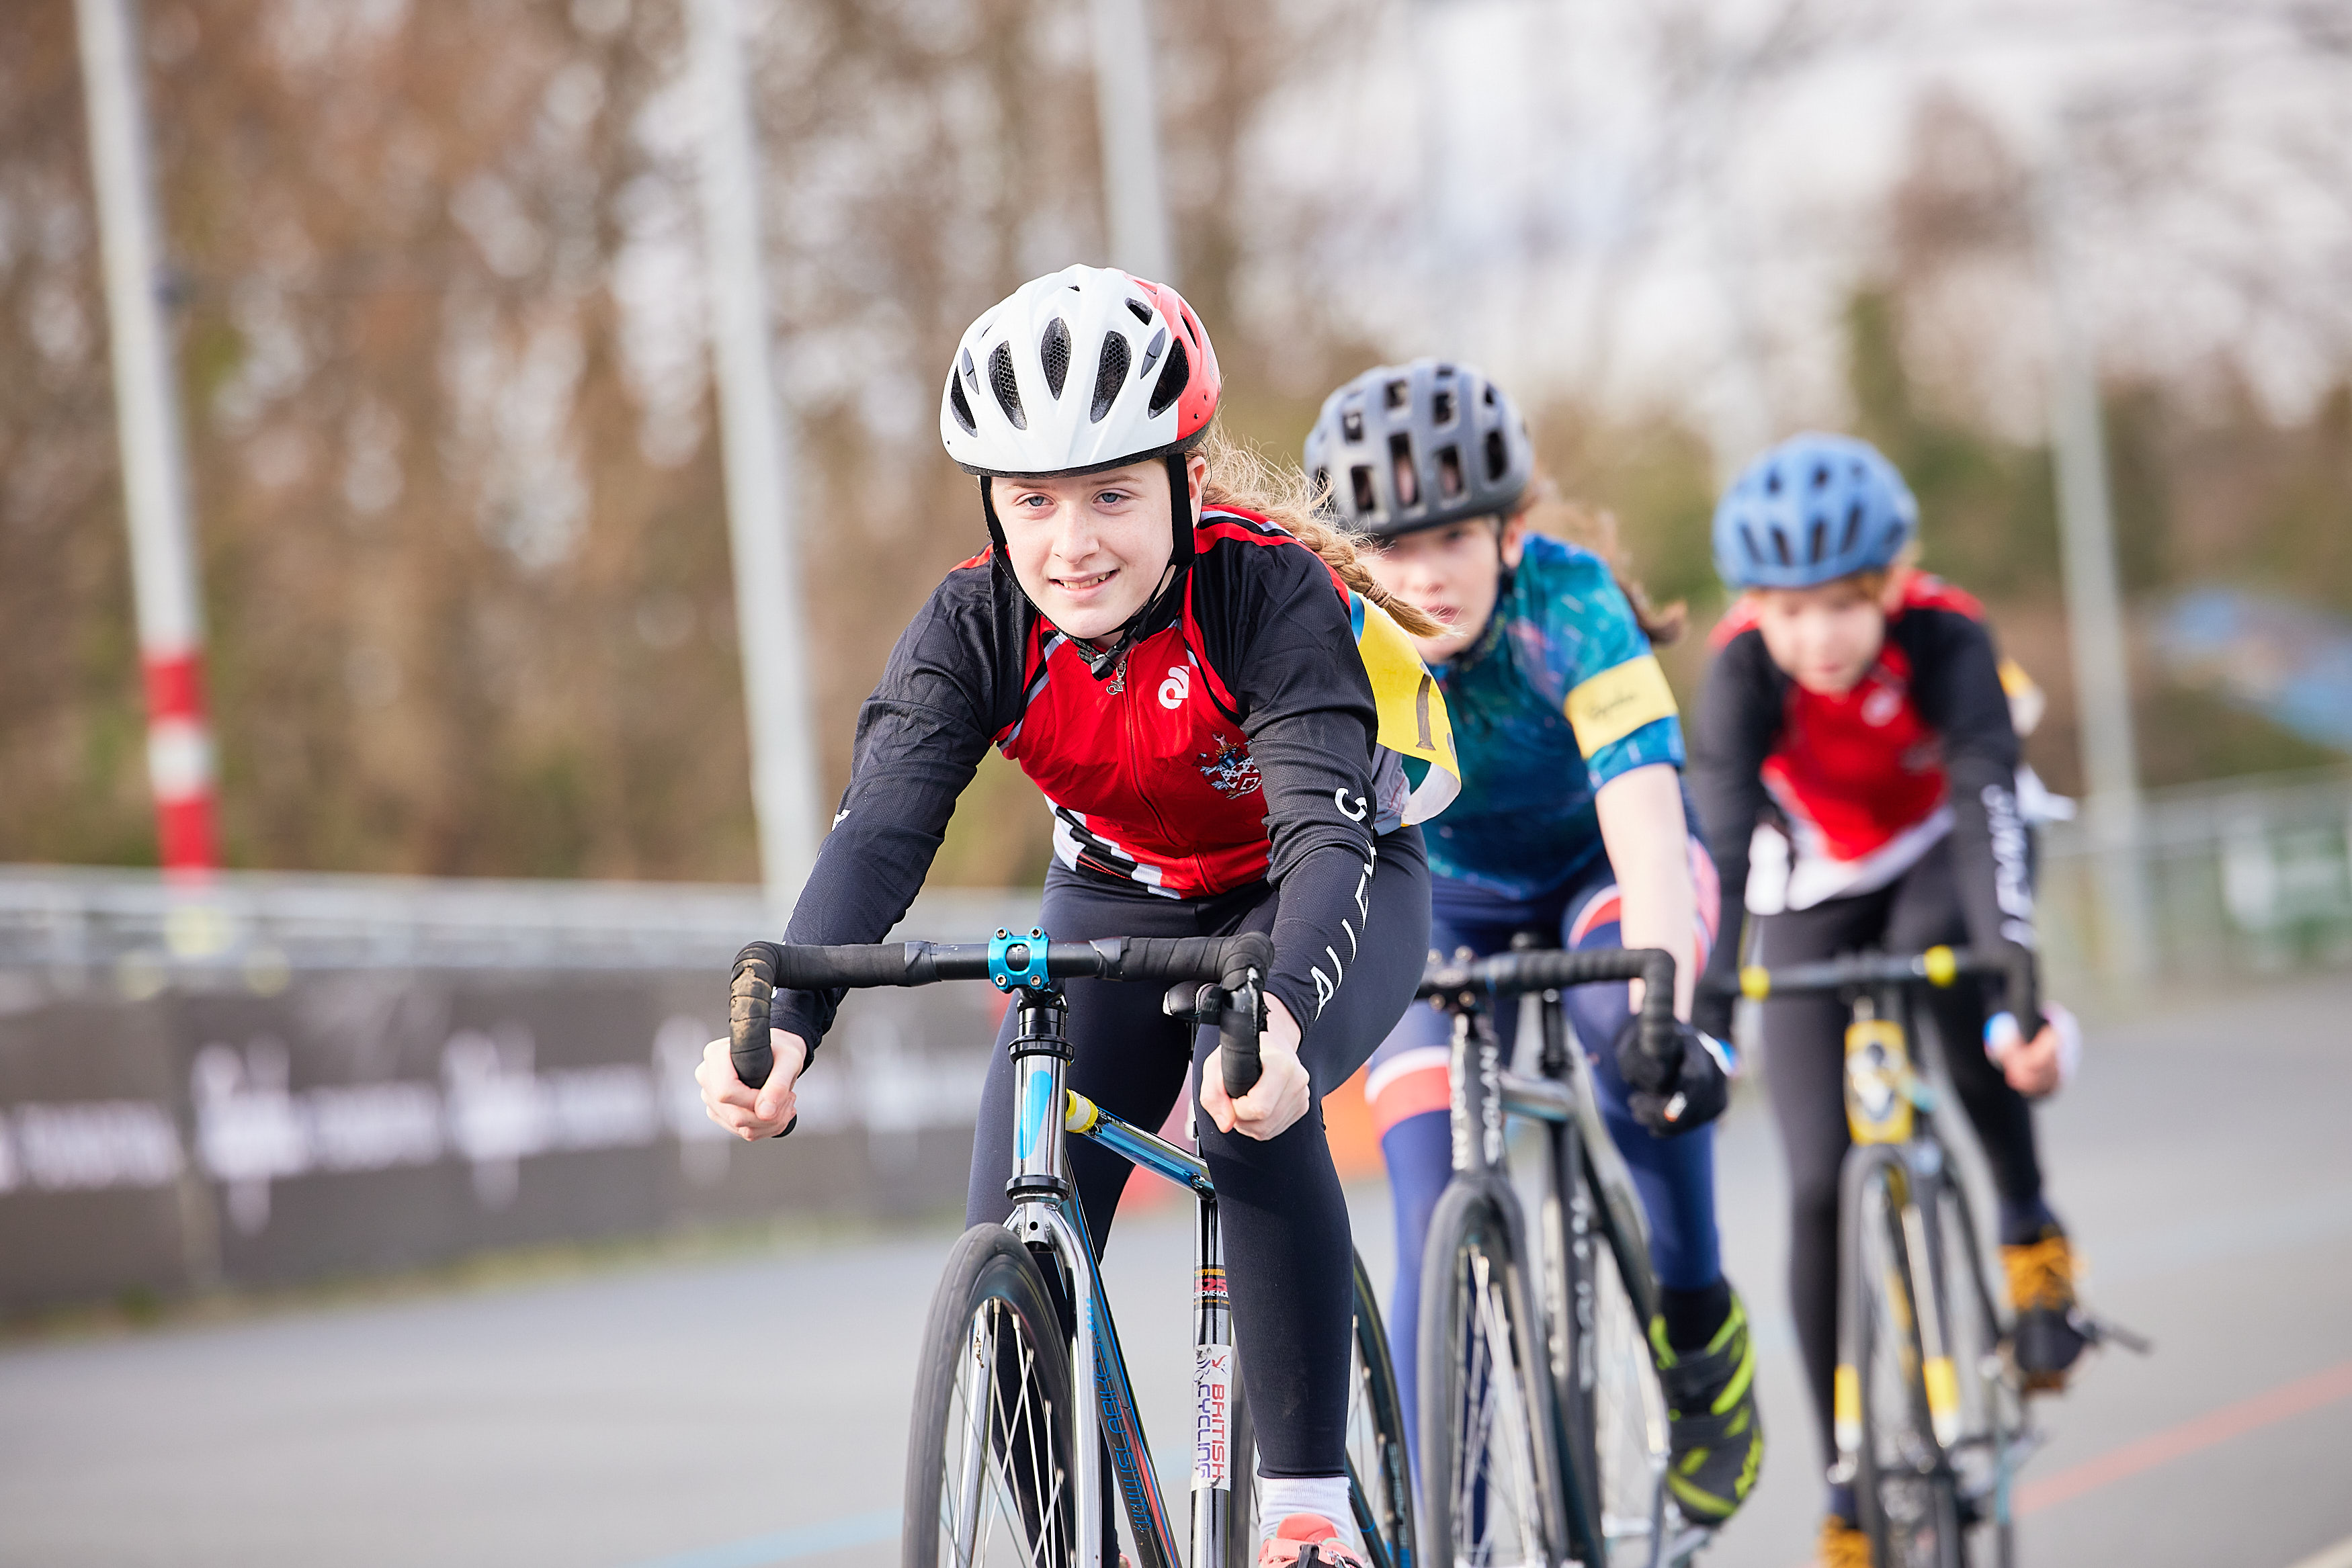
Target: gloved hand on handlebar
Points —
{"points": [[1711, 1012], [1689, 1090]]}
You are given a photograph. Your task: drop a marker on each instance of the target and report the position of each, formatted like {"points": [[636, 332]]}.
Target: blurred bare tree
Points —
{"points": [[442, 340]]}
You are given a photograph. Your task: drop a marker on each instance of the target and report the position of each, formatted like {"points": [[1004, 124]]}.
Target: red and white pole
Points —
{"points": [[154, 461]]}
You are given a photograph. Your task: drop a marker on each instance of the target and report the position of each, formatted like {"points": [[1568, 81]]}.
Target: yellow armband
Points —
{"points": [[1616, 703]]}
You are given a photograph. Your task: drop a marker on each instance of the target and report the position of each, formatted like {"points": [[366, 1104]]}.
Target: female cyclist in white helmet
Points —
{"points": [[1194, 671]]}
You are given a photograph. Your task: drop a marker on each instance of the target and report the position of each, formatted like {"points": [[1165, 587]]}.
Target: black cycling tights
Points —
{"points": [[1804, 1069], [1289, 1254]]}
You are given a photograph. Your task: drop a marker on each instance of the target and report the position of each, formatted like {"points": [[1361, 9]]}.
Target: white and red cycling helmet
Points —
{"points": [[1082, 370]]}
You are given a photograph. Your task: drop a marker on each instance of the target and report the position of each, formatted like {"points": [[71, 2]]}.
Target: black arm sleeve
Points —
{"points": [[1739, 716], [1280, 628], [919, 738], [1956, 682]]}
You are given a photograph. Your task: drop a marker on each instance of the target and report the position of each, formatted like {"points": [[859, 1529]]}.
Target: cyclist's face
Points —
{"points": [[1825, 639], [1455, 573], [1090, 550]]}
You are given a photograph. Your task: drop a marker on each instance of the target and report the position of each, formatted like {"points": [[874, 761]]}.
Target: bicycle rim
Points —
{"points": [[1629, 1414], [1380, 1472], [1907, 1497], [989, 1478], [1991, 1416], [1487, 1474]]}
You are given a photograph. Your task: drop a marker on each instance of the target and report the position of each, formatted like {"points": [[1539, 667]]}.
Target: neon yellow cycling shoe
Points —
{"points": [[1714, 1436]]}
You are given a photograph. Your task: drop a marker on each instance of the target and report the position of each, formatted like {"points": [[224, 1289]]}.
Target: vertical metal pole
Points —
{"points": [[757, 450], [2094, 624], [154, 459], [1129, 126]]}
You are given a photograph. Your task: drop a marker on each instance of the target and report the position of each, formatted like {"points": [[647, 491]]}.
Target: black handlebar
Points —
{"points": [[1238, 965], [1937, 966], [1550, 969]]}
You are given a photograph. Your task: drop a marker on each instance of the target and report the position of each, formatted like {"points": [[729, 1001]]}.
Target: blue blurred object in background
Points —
{"points": [[2287, 662]]}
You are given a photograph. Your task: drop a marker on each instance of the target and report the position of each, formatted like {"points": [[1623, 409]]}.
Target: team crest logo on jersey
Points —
{"points": [[1230, 769]]}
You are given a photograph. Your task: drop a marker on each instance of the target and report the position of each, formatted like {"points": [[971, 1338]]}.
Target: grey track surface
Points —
{"points": [[721, 1414]]}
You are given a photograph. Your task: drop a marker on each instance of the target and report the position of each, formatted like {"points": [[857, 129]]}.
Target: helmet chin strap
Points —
{"points": [[1105, 662]]}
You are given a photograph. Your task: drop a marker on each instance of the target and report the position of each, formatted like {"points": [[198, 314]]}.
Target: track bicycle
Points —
{"points": [[1543, 1426], [1927, 1404], [1023, 1411]]}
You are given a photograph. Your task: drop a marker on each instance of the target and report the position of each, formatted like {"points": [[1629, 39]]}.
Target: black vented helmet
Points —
{"points": [[1406, 447]]}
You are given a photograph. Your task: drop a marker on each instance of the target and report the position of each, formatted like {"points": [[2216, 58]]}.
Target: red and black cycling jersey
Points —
{"points": [[1232, 744], [1865, 783]]}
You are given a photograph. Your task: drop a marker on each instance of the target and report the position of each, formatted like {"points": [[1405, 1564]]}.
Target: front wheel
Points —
{"points": [[1906, 1489], [989, 1475], [1489, 1476]]}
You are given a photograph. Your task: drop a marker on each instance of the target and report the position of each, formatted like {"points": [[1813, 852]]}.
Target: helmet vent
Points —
{"points": [[1110, 374], [1449, 473], [1141, 311], [1781, 547], [1772, 483], [1172, 377], [1821, 477], [963, 410], [1854, 515], [1321, 478], [1397, 395], [1441, 406], [1368, 503], [1408, 479], [1498, 457], [1352, 423], [1006, 387], [1819, 537], [1151, 352], [1055, 349]]}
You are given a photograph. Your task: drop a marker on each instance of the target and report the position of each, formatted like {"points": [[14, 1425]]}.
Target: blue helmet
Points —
{"points": [[1811, 510]]}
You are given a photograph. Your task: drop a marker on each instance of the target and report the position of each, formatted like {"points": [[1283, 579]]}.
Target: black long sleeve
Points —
{"points": [[1307, 709], [1956, 682], [1740, 715], [920, 737]]}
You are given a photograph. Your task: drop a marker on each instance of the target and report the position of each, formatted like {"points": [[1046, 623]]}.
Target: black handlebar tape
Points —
{"points": [[2024, 990], [747, 1013], [1218, 960], [1552, 969]]}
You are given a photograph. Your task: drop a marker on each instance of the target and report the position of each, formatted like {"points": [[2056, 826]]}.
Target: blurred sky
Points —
{"points": [[1614, 184]]}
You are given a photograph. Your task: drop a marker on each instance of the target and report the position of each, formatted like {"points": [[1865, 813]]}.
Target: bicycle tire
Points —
{"points": [[1991, 1414], [991, 1453], [1379, 1468], [1490, 1493], [1906, 1490], [1615, 1411]]}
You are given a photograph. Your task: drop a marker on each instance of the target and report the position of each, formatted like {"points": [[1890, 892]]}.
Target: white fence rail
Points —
{"points": [[2243, 876]]}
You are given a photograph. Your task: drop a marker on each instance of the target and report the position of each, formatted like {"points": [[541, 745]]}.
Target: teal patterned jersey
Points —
{"points": [[1557, 697]]}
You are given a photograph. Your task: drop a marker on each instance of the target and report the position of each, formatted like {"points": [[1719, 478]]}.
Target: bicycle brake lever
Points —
{"points": [[1197, 1005]]}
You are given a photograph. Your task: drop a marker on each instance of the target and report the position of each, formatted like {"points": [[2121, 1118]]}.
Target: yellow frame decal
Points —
{"points": [[1616, 703]]}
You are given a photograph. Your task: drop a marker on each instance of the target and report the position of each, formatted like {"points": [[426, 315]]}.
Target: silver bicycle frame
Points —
{"points": [[1045, 1215]]}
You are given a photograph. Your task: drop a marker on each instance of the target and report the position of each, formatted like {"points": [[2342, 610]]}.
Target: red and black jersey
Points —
{"points": [[1866, 782], [1233, 743], [1150, 770]]}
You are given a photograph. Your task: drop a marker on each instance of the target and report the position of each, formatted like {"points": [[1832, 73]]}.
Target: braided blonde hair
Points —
{"points": [[1244, 476]]}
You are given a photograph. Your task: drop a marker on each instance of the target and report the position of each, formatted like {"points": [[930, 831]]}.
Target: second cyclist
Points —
{"points": [[1572, 823]]}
